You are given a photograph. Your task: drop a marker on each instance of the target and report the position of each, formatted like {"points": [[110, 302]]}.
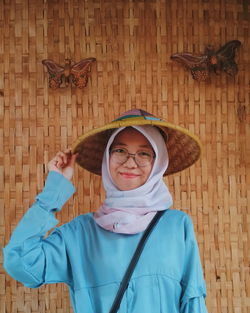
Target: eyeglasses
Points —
{"points": [[142, 157]]}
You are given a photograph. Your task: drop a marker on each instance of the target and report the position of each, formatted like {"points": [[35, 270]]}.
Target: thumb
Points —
{"points": [[73, 159]]}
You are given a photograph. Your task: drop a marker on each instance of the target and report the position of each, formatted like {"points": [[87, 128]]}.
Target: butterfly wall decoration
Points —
{"points": [[212, 61], [75, 74]]}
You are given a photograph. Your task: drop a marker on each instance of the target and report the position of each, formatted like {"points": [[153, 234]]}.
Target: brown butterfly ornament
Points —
{"points": [[76, 74], [212, 61]]}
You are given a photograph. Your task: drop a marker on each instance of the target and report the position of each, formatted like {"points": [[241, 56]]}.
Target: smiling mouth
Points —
{"points": [[129, 175]]}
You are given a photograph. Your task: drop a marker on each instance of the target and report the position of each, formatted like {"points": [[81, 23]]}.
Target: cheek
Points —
{"points": [[111, 169], [149, 170]]}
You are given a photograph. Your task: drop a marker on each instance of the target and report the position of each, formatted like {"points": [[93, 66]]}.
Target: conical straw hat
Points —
{"points": [[184, 148]]}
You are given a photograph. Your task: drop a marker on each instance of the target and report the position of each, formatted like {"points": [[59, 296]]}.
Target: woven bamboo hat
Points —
{"points": [[184, 148]]}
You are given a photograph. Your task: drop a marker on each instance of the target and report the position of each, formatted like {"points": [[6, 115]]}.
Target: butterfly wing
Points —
{"points": [[225, 57], [197, 64], [56, 73], [80, 72]]}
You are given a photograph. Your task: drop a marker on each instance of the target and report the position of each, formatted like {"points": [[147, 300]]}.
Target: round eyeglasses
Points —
{"points": [[141, 157]]}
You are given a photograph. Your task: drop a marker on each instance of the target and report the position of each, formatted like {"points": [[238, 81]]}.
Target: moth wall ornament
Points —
{"points": [[212, 61], [75, 74]]}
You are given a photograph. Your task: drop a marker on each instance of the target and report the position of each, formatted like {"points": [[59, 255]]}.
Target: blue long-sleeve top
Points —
{"points": [[92, 261]]}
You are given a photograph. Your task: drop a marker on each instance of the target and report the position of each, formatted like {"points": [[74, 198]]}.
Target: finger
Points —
{"points": [[53, 165], [62, 157], [73, 159], [68, 155], [67, 151]]}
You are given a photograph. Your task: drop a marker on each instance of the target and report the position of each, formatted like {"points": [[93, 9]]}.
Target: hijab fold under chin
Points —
{"points": [[130, 212]]}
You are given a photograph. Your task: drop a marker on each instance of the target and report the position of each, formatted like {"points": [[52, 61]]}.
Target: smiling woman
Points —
{"points": [[129, 174], [92, 252], [134, 188]]}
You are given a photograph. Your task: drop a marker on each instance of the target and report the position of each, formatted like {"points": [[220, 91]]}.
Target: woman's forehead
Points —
{"points": [[131, 135]]}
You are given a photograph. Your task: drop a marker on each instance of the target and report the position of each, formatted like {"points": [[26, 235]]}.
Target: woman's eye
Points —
{"points": [[119, 150], [145, 154]]}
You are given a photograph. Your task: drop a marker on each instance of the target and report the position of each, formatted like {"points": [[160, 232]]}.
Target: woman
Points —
{"points": [[91, 253]]}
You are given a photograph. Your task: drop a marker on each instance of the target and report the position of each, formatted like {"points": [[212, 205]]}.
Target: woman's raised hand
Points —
{"points": [[63, 163]]}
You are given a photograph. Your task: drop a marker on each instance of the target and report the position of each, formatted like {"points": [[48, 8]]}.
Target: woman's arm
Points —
{"points": [[27, 254]]}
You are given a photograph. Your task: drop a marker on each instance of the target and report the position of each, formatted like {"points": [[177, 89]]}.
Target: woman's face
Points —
{"points": [[129, 175]]}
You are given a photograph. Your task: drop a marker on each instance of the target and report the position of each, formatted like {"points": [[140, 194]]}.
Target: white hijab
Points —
{"points": [[131, 211]]}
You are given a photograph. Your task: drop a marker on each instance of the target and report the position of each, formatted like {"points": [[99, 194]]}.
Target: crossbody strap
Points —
{"points": [[133, 262]]}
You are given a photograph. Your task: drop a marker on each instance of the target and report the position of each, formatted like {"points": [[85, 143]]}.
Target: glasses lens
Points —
{"points": [[144, 158], [119, 155]]}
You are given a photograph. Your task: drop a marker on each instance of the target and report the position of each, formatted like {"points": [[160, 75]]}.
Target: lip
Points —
{"points": [[129, 175]]}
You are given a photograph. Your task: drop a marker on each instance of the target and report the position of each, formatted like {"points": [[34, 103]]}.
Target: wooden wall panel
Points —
{"points": [[132, 42]]}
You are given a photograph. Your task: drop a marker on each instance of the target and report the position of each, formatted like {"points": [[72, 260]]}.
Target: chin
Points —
{"points": [[127, 187]]}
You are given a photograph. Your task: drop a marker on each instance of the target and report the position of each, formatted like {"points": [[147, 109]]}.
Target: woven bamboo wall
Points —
{"points": [[132, 42]]}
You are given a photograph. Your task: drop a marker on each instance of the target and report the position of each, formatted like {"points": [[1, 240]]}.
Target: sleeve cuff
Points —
{"points": [[56, 192]]}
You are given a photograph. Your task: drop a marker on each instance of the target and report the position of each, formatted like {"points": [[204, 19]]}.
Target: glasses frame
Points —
{"points": [[133, 155]]}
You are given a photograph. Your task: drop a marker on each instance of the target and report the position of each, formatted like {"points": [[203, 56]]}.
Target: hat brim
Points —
{"points": [[184, 148]]}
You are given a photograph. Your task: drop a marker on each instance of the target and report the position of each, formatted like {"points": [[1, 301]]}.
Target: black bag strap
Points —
{"points": [[133, 262]]}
